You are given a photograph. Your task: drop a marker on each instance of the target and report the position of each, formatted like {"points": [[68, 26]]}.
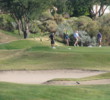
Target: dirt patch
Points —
{"points": [[4, 38], [42, 76]]}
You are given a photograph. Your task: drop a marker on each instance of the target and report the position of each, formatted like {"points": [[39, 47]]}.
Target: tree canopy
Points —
{"points": [[83, 7], [23, 11]]}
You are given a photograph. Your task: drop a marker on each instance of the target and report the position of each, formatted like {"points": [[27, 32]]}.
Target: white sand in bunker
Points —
{"points": [[42, 76]]}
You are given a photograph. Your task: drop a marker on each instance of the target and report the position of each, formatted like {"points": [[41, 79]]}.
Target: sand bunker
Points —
{"points": [[42, 76]]}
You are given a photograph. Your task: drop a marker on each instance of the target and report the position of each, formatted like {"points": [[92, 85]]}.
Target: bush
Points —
{"points": [[82, 22], [58, 18], [64, 27], [46, 16], [92, 28], [6, 22], [85, 39], [104, 22], [50, 25], [34, 26], [73, 22]]}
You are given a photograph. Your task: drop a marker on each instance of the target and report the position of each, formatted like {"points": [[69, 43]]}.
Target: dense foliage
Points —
{"points": [[40, 16], [23, 11]]}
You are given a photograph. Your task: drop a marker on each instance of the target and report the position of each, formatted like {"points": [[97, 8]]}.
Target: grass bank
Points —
{"points": [[96, 77]]}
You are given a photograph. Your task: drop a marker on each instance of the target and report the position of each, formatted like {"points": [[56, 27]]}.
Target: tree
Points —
{"points": [[92, 8], [61, 5], [79, 7], [23, 11], [97, 8]]}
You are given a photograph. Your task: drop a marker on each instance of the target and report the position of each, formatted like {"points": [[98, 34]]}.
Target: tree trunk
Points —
{"points": [[27, 28], [92, 15], [19, 27], [25, 34], [26, 31], [18, 22]]}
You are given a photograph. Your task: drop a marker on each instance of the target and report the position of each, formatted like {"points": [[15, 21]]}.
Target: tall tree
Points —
{"points": [[98, 7], [79, 7], [23, 11], [92, 8], [62, 6]]}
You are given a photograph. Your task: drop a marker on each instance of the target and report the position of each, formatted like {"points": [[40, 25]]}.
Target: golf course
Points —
{"points": [[31, 70], [54, 49]]}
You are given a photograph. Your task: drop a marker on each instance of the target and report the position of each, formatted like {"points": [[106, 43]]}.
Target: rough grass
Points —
{"points": [[96, 77], [36, 92], [32, 55], [12, 33], [21, 44], [4, 38]]}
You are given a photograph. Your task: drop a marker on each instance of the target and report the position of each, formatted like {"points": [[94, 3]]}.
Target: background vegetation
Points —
{"points": [[55, 15]]}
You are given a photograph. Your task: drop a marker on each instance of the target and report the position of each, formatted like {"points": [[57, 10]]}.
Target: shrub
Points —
{"points": [[82, 22], [85, 39], [6, 22], [92, 28], [34, 26], [50, 25], [46, 16], [73, 22], [105, 28], [58, 18], [87, 24]]}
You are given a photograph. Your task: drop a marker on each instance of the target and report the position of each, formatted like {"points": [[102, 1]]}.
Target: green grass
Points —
{"points": [[34, 55], [96, 77], [52, 60], [12, 33], [10, 91], [20, 44]]}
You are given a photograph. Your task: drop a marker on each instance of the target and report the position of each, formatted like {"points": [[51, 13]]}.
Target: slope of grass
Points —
{"points": [[20, 44], [13, 33], [97, 77], [55, 60], [34, 55], [35, 92]]}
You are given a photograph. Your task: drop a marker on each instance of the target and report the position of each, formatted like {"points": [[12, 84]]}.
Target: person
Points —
{"points": [[76, 36], [99, 39], [67, 39], [52, 35]]}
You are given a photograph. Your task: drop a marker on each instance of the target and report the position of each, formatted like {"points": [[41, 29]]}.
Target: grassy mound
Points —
{"points": [[20, 44]]}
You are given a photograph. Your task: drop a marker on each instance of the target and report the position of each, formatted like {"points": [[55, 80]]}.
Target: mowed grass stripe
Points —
{"points": [[30, 60], [43, 92], [34, 55]]}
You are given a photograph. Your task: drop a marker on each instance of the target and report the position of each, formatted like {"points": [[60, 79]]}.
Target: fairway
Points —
{"points": [[54, 49], [18, 55], [44, 92]]}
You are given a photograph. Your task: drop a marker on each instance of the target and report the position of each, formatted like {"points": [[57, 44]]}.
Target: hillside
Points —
{"points": [[4, 38]]}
